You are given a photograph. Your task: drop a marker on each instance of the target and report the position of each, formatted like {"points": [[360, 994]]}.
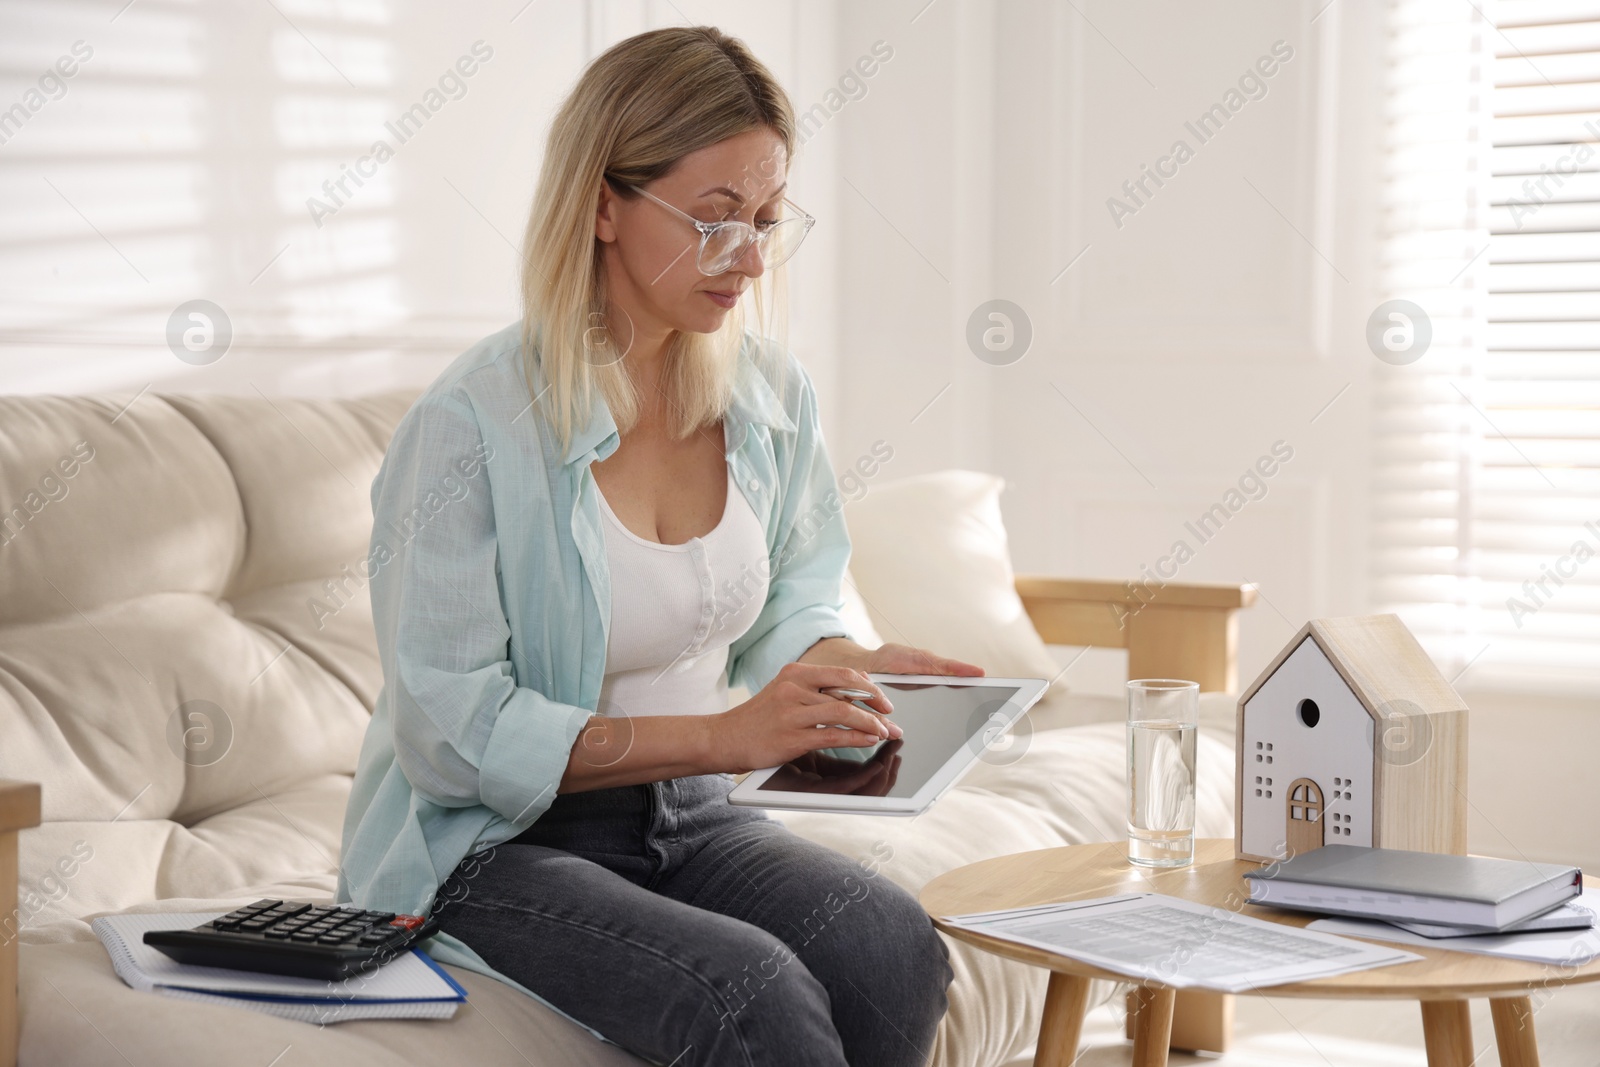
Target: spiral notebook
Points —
{"points": [[410, 987]]}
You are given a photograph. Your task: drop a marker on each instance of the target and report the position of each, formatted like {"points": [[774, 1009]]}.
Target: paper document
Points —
{"points": [[1559, 947], [411, 986], [1573, 915], [1181, 944]]}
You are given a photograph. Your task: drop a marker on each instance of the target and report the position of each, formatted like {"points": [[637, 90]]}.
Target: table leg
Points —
{"points": [[1065, 1002], [1152, 1026], [1513, 1031], [1447, 1033], [1202, 1021]]}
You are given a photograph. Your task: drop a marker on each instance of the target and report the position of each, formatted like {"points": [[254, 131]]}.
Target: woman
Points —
{"points": [[584, 529]]}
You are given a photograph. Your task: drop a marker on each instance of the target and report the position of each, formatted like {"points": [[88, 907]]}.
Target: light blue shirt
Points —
{"points": [[491, 602]]}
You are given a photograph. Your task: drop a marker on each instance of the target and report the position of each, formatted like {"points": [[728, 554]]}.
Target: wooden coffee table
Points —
{"points": [[1442, 981]]}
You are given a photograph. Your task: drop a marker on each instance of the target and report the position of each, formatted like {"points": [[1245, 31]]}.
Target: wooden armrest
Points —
{"points": [[1105, 591], [1176, 630], [19, 805], [19, 809]]}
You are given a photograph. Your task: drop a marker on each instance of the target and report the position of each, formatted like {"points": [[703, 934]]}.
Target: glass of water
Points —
{"points": [[1162, 716]]}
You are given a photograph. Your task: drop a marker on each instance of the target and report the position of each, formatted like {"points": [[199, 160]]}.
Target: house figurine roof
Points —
{"points": [[1381, 661]]}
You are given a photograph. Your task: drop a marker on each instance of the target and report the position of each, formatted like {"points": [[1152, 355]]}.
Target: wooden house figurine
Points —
{"points": [[1351, 736]]}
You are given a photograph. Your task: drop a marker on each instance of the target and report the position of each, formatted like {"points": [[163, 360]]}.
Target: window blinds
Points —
{"points": [[1487, 482]]}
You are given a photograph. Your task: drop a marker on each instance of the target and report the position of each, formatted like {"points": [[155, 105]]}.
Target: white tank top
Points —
{"points": [[675, 609]]}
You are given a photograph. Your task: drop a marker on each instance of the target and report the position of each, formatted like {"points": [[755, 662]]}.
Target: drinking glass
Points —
{"points": [[1162, 716]]}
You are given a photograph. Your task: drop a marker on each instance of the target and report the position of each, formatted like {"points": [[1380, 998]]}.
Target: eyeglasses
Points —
{"points": [[722, 244]]}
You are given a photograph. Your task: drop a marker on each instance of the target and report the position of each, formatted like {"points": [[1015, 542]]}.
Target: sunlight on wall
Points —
{"points": [[104, 194], [169, 154], [335, 272], [348, 180]]}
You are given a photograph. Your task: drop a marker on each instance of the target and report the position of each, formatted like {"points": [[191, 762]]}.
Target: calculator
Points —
{"points": [[295, 938]]}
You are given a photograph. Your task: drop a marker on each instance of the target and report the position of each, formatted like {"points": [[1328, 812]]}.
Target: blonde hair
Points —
{"points": [[638, 109]]}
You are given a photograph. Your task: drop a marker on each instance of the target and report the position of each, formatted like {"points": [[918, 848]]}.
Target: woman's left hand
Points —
{"points": [[903, 659], [886, 659]]}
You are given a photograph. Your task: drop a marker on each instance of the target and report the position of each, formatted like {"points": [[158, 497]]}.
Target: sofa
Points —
{"points": [[187, 666]]}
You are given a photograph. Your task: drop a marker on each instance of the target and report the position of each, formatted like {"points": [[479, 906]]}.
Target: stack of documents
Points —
{"points": [[1181, 944], [1573, 915], [1561, 946], [410, 987], [1399, 885]]}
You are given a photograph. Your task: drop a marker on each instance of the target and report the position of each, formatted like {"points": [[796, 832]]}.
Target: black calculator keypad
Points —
{"points": [[296, 938]]}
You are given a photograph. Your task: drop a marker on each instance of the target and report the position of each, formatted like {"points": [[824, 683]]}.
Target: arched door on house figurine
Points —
{"points": [[1303, 823]]}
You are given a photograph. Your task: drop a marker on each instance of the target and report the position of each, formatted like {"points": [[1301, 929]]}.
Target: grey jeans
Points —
{"points": [[690, 931]]}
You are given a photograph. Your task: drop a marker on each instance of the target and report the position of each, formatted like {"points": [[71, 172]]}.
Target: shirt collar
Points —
{"points": [[754, 402]]}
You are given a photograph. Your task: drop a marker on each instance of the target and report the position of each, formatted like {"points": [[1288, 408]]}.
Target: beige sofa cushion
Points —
{"points": [[76, 1011], [187, 662], [104, 534]]}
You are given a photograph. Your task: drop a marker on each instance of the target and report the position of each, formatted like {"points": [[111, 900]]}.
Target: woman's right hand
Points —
{"points": [[780, 722]]}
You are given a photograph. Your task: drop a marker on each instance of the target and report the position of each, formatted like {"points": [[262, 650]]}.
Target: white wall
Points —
{"points": [[1180, 346], [1223, 316]]}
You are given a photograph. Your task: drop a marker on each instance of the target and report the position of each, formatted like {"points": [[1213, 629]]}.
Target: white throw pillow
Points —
{"points": [[929, 558], [856, 618]]}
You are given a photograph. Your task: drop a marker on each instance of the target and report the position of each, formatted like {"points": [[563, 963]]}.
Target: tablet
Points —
{"points": [[949, 724]]}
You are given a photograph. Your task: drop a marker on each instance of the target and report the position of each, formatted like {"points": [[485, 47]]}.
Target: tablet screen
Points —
{"points": [[937, 719]]}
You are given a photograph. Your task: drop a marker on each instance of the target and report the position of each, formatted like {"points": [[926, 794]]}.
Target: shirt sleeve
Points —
{"points": [[465, 731], [812, 550]]}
